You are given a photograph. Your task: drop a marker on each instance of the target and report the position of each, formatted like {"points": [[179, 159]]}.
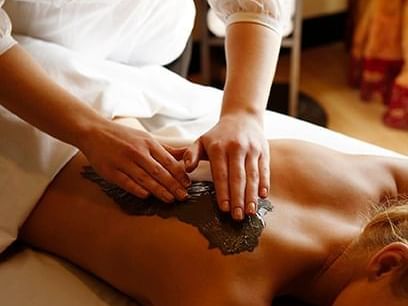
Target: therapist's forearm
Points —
{"points": [[252, 52], [127, 157], [27, 91]]}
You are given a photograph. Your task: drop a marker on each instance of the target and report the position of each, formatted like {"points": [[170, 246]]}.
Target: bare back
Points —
{"points": [[167, 262]]}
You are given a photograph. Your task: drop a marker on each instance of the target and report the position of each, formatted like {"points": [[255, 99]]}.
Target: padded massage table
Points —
{"points": [[31, 277]]}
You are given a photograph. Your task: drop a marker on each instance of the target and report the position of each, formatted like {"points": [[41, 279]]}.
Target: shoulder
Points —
{"points": [[398, 167], [387, 175], [331, 172]]}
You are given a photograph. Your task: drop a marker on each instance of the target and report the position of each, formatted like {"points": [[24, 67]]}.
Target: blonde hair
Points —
{"points": [[388, 223]]}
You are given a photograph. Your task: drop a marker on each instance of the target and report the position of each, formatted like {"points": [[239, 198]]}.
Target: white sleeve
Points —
{"points": [[6, 41], [270, 13]]}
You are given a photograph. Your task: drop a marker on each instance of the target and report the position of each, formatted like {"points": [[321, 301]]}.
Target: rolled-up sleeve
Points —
{"points": [[6, 40], [270, 13]]}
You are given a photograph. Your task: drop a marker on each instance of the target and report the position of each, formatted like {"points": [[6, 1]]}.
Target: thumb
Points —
{"points": [[193, 155]]}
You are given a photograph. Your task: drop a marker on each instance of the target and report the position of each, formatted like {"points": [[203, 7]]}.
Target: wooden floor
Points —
{"points": [[324, 77]]}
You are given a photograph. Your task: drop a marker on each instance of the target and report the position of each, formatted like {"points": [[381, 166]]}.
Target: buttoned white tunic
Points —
{"points": [[109, 54]]}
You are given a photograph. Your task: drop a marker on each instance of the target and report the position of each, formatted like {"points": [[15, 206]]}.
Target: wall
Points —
{"points": [[314, 8]]}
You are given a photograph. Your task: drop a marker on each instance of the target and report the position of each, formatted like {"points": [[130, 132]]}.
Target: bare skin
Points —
{"points": [[320, 199]]}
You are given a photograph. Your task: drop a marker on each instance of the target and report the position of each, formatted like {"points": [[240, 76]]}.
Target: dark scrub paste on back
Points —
{"points": [[200, 210]]}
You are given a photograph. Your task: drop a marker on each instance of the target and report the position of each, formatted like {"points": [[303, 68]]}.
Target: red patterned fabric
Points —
{"points": [[397, 113], [379, 56]]}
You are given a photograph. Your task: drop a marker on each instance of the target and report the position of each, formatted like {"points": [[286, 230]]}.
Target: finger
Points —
{"points": [[164, 178], [177, 153], [252, 183], [264, 174], [126, 183], [167, 170], [237, 183], [193, 155], [219, 171], [141, 177]]}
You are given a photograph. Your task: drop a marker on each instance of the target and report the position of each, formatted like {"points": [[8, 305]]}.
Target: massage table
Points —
{"points": [[31, 277]]}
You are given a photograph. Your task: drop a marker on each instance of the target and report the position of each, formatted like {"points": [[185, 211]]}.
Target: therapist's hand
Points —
{"points": [[239, 157], [136, 162]]}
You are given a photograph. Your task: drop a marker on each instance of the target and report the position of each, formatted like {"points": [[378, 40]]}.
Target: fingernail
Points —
{"points": [[186, 182], [225, 206], [238, 213], [181, 194], [264, 192], [251, 208], [168, 198], [144, 195], [187, 163]]}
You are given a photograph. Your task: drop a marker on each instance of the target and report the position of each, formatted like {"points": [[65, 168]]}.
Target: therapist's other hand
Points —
{"points": [[239, 157], [136, 162]]}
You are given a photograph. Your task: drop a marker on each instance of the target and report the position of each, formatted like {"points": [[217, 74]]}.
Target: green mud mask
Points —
{"points": [[200, 210]]}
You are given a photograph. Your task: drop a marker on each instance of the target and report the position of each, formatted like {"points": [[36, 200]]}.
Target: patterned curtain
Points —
{"points": [[379, 56]]}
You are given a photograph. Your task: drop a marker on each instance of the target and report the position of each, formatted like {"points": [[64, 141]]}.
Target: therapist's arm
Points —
{"points": [[132, 159], [236, 146]]}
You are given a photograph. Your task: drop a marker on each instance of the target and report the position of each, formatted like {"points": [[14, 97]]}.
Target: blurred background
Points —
{"points": [[341, 66]]}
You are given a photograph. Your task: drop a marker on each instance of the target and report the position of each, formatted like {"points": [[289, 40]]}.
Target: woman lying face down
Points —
{"points": [[377, 260], [326, 235]]}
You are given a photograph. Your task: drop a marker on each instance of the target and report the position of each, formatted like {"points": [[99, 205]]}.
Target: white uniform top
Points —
{"points": [[109, 54], [69, 22]]}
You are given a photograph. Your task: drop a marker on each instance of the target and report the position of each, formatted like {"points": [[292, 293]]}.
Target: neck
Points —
{"points": [[312, 256], [335, 275]]}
